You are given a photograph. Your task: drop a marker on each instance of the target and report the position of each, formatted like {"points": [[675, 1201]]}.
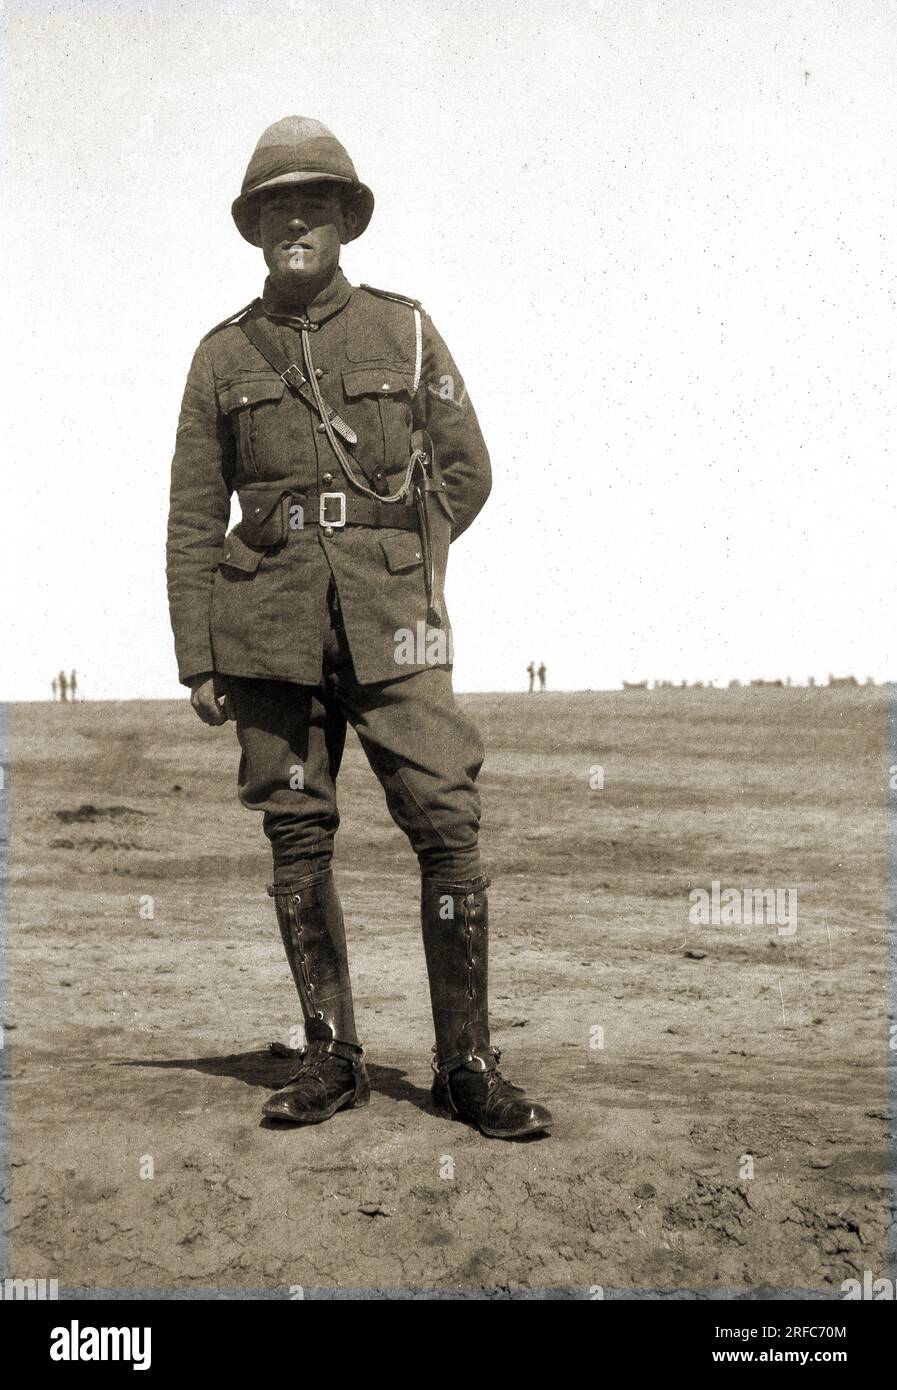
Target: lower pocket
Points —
{"points": [[402, 552], [239, 557]]}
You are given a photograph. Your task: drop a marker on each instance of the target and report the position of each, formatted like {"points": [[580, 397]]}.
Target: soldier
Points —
{"points": [[55, 685], [542, 673], [63, 686], [73, 685], [340, 419], [531, 672]]}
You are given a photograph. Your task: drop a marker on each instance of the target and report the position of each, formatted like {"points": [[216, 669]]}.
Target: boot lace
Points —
{"points": [[312, 1064]]}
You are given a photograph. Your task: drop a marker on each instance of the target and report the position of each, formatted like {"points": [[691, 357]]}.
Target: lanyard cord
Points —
{"points": [[337, 448]]}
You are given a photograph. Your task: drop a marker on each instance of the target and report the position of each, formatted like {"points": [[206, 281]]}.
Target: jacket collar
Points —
{"points": [[331, 299]]}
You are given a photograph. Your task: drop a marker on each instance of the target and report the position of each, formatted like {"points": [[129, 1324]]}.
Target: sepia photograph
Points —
{"points": [[448, 802]]}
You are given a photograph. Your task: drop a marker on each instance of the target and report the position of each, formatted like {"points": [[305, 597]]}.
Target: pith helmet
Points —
{"points": [[298, 150]]}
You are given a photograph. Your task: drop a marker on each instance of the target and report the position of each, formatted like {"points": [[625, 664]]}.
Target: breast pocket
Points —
{"points": [[378, 406], [251, 406]]}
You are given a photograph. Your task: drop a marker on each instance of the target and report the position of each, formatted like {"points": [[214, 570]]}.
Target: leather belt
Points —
{"points": [[339, 509]]}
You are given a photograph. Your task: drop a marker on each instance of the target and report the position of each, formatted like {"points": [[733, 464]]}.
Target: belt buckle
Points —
{"points": [[326, 497]]}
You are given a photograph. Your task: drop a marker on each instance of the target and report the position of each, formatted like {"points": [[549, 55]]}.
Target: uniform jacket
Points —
{"points": [[252, 603]]}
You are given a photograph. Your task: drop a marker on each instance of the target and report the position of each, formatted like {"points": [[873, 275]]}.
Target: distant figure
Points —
{"points": [[541, 675], [73, 684], [55, 685], [63, 687], [531, 672]]}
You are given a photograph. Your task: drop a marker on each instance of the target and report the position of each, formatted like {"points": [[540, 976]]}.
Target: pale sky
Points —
{"points": [[659, 239]]}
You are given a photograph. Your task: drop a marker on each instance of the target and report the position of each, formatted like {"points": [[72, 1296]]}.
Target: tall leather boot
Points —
{"points": [[468, 1083], [332, 1075]]}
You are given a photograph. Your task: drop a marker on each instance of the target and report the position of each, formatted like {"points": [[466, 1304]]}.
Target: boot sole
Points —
{"points": [[515, 1133], [521, 1133], [317, 1118]]}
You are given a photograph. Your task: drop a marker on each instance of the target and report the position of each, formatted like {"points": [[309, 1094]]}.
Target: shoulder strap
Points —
{"points": [[388, 294], [270, 349], [416, 305], [225, 322]]}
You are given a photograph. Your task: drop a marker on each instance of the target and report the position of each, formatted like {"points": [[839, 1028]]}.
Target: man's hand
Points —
{"points": [[210, 699]]}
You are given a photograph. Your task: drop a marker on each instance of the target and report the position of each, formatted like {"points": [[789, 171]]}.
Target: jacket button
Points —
{"points": [[328, 530], [244, 400], [319, 372], [321, 427], [326, 477], [386, 386]]}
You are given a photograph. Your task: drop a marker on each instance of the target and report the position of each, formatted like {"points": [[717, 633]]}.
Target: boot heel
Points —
{"points": [[447, 1113], [362, 1091], [442, 1105]]}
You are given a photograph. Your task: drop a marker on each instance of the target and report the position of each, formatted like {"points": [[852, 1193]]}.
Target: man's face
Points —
{"points": [[302, 227]]}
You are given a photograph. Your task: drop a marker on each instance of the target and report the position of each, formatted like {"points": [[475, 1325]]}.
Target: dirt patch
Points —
{"points": [[719, 1091], [89, 813]]}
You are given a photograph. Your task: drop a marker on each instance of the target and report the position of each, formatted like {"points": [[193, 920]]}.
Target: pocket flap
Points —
{"points": [[251, 391], [377, 381], [237, 555], [256, 507], [402, 552], [264, 520]]}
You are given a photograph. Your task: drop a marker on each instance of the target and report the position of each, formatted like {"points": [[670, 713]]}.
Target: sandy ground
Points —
{"points": [[142, 1044]]}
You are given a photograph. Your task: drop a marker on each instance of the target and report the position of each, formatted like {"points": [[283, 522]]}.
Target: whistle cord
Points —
{"points": [[342, 459]]}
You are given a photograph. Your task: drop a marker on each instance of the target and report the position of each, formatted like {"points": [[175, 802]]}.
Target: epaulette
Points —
{"points": [[388, 294], [225, 322]]}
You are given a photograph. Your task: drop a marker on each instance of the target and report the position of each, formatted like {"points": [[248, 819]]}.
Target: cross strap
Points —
{"points": [[256, 331]]}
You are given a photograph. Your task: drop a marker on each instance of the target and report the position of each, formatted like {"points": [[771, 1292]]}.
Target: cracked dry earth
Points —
{"points": [[137, 1040]]}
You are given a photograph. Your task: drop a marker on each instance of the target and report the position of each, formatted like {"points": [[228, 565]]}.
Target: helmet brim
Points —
{"points": [[245, 208]]}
